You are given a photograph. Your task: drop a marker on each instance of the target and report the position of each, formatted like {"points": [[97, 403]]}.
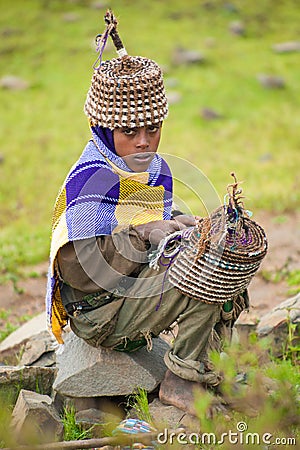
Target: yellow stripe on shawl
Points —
{"points": [[141, 177], [139, 203], [59, 239], [59, 207], [59, 315]]}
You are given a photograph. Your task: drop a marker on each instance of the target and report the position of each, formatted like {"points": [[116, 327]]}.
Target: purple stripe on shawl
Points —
{"points": [[165, 179], [88, 180], [88, 207]]}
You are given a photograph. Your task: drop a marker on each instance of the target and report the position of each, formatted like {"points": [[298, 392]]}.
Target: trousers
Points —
{"points": [[150, 306]]}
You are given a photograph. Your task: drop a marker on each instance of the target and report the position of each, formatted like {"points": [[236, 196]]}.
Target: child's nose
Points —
{"points": [[142, 139]]}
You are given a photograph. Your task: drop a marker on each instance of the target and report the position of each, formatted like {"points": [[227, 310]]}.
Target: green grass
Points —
{"points": [[138, 401], [9, 325], [8, 329], [72, 429], [292, 277], [43, 129]]}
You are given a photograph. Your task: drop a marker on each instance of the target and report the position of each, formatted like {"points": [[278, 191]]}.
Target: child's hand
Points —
{"points": [[155, 231]]}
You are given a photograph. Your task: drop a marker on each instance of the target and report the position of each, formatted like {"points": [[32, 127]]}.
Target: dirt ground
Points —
{"points": [[283, 234]]}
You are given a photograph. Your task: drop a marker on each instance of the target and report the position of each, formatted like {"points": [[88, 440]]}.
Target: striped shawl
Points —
{"points": [[101, 195]]}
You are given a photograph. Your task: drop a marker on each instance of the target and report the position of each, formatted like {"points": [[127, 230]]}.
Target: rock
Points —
{"points": [[71, 17], [274, 324], [271, 81], [173, 97], [176, 15], [9, 31], [171, 82], [13, 83], [99, 5], [85, 371], [230, 7], [103, 422], [96, 416], [18, 338], [210, 114], [245, 329], [46, 360], [35, 414], [210, 42], [170, 416], [266, 157], [289, 309], [208, 5], [29, 378], [287, 47], [39, 350], [183, 56], [80, 404], [237, 28]]}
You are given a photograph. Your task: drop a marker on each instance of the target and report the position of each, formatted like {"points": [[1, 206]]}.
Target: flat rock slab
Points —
{"points": [[37, 348], [86, 371], [12, 378], [288, 310], [18, 338]]}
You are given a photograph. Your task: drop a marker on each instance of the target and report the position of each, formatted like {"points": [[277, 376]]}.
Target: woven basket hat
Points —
{"points": [[127, 91], [219, 256]]}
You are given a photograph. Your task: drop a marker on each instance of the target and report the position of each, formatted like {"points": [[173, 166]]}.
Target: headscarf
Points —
{"points": [[106, 136]]}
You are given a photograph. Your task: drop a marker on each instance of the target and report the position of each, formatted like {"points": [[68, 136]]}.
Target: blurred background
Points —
{"points": [[232, 74]]}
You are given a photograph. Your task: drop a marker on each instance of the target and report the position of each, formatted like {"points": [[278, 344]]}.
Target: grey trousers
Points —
{"points": [[145, 312]]}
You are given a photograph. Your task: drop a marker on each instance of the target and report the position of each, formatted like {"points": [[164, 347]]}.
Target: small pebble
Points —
{"points": [[210, 114], [13, 83], [271, 81], [287, 47]]}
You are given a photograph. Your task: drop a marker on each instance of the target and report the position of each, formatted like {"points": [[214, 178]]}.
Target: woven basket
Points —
{"points": [[216, 263], [216, 259]]}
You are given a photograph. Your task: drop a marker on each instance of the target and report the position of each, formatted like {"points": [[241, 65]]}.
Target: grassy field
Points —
{"points": [[49, 44]]}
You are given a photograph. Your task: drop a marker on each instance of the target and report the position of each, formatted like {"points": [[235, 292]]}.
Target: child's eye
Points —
{"points": [[153, 128], [129, 131]]}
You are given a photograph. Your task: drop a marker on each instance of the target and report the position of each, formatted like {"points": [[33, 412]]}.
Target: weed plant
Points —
{"points": [[72, 429], [138, 404]]}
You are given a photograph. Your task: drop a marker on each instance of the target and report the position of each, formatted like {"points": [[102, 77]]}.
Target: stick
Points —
{"points": [[144, 438]]}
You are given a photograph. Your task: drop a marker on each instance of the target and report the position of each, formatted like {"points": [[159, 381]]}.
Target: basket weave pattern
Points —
{"points": [[215, 265], [127, 92]]}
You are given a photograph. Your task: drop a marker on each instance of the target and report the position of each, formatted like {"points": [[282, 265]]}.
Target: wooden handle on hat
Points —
{"points": [[112, 23]]}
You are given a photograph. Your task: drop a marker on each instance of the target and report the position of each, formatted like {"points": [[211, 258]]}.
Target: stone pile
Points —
{"points": [[97, 381]]}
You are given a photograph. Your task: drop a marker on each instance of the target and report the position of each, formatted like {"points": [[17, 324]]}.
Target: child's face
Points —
{"points": [[137, 146]]}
